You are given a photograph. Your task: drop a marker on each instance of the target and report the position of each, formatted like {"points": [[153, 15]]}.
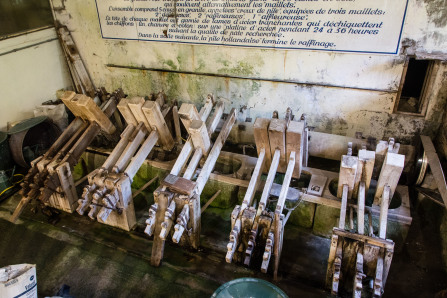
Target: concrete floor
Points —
{"points": [[99, 261]]}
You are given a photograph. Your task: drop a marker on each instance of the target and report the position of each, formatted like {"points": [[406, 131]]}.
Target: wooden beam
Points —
{"points": [[348, 171], [277, 139], [294, 142], [392, 168], [135, 105], [365, 169], [261, 134], [151, 110], [361, 208], [199, 136], [187, 113], [178, 134], [123, 107], [93, 113], [344, 204]]}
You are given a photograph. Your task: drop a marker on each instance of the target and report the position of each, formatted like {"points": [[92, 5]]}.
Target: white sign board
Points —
{"points": [[363, 26]]}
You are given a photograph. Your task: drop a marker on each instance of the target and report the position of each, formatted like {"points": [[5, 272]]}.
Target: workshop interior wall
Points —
{"points": [[341, 93], [32, 69]]}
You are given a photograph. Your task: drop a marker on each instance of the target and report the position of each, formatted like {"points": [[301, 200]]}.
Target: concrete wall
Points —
{"points": [[341, 93], [32, 68]]}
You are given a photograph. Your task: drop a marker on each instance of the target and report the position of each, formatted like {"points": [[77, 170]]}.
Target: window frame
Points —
{"points": [[426, 88]]}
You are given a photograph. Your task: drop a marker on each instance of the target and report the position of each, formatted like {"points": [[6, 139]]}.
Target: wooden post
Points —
{"points": [[119, 148], [348, 171], [392, 168], [261, 134], [178, 134], [138, 136], [153, 114], [277, 139], [206, 110], [93, 113], [182, 158], [294, 142], [123, 107], [135, 105], [218, 111], [199, 136], [187, 113]]}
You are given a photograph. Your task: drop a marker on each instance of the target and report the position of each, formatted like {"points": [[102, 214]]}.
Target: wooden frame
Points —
{"points": [[425, 92]]}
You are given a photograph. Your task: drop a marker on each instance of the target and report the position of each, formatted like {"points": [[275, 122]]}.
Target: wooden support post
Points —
{"points": [[199, 136], [269, 182], [153, 114], [294, 142], [378, 280], [135, 105], [348, 170], [123, 107], [187, 113], [162, 199], [261, 134], [392, 168], [277, 139], [93, 113], [178, 134], [358, 276], [361, 208]]}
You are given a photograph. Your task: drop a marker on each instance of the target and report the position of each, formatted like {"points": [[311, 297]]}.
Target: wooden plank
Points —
{"points": [[261, 134], [375, 241], [268, 183], [435, 167], [199, 136], [206, 110], [135, 105], [137, 138], [179, 184], [348, 171], [124, 109], [330, 261], [178, 133], [392, 168], [182, 158], [277, 139], [93, 113], [286, 183], [153, 114], [294, 142], [187, 113]]}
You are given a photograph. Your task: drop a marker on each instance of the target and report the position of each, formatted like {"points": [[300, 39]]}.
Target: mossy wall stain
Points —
{"points": [[437, 12]]}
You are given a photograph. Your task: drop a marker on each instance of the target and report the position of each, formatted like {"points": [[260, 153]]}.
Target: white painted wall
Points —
{"points": [[341, 92], [32, 69]]}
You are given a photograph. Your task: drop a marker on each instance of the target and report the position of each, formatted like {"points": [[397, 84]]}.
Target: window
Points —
{"points": [[17, 16], [413, 91]]}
